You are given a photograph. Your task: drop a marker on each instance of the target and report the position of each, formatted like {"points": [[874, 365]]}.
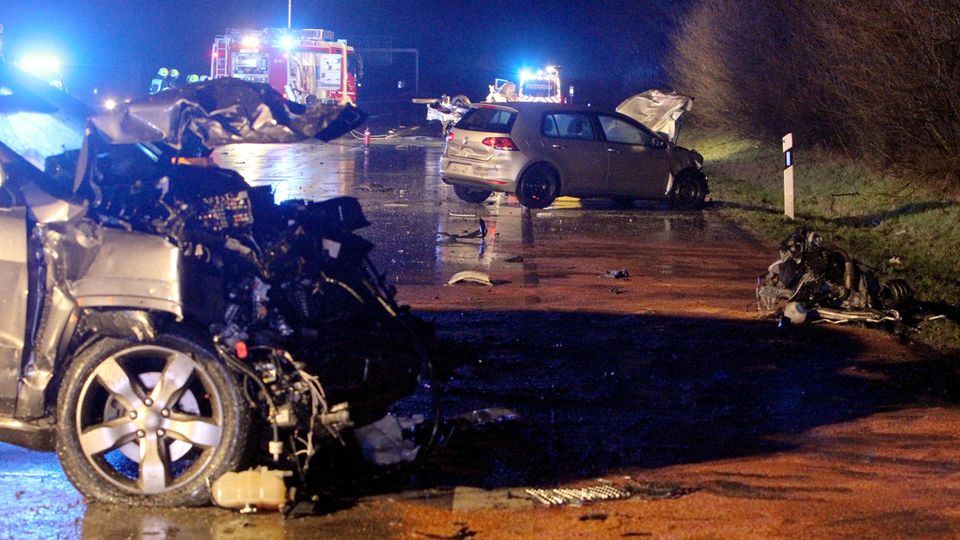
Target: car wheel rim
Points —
{"points": [[686, 193], [537, 189], [175, 425]]}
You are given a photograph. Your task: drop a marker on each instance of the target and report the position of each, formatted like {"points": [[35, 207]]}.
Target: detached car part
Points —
{"points": [[816, 280]]}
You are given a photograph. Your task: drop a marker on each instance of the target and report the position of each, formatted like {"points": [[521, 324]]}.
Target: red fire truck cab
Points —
{"points": [[307, 65]]}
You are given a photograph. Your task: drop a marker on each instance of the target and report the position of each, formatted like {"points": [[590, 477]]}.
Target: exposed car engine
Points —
{"points": [[815, 280]]}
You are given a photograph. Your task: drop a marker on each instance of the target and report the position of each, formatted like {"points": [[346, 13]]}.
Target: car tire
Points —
{"points": [[539, 187], [167, 403], [689, 190], [471, 195]]}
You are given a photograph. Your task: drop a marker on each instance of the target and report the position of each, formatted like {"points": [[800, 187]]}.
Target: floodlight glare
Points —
{"points": [[287, 42]]}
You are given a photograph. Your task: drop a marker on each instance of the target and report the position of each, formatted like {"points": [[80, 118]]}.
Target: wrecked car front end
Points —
{"points": [[174, 311]]}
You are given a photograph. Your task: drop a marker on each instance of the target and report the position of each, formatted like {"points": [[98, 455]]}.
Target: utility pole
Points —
{"points": [[289, 12]]}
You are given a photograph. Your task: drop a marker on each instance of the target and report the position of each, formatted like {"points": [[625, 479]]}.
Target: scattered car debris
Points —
{"points": [[515, 259], [599, 516], [479, 232], [577, 496], [816, 281], [617, 274], [251, 490], [471, 276]]}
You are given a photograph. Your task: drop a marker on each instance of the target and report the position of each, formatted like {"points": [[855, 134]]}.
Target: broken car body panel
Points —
{"points": [[660, 111]]}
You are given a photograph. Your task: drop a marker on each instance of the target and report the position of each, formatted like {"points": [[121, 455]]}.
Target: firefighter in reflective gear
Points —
{"points": [[159, 82], [192, 78], [174, 80]]}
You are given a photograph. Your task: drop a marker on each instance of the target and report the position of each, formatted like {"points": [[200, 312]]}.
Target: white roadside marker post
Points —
{"points": [[788, 176]]}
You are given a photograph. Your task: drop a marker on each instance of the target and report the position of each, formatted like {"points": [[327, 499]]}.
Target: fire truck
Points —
{"points": [[306, 65], [542, 86]]}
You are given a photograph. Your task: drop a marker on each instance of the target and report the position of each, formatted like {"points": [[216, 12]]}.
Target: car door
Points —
{"points": [[569, 139], [638, 161], [13, 296]]}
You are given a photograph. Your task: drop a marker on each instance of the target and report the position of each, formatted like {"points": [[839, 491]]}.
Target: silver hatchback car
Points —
{"points": [[541, 151]]}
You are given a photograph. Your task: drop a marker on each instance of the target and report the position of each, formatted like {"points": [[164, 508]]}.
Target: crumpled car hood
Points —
{"points": [[220, 112], [660, 111]]}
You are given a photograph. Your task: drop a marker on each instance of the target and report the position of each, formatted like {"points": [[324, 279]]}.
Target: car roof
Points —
{"points": [[521, 106]]}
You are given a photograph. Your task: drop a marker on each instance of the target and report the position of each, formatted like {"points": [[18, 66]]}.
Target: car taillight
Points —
{"points": [[500, 143], [449, 136]]}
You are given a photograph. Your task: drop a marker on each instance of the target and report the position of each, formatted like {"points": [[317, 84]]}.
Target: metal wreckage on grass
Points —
{"points": [[816, 281]]}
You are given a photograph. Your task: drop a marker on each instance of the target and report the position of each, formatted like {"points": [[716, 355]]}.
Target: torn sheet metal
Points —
{"points": [[660, 111], [220, 112]]}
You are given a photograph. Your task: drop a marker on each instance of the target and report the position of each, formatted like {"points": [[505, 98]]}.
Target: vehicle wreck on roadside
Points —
{"points": [[165, 323], [814, 280]]}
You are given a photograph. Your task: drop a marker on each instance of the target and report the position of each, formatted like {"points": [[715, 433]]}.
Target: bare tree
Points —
{"points": [[878, 77]]}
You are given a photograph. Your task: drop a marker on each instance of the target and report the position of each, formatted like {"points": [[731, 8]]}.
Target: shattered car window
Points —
{"points": [[617, 130]]}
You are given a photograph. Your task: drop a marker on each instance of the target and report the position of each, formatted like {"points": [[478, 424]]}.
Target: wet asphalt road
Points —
{"points": [[665, 383]]}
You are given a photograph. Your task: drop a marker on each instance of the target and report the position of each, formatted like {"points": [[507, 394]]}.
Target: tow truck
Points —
{"points": [[305, 65]]}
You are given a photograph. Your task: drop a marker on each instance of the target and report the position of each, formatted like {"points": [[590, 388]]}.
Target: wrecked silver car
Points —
{"points": [[165, 323], [814, 280], [541, 151]]}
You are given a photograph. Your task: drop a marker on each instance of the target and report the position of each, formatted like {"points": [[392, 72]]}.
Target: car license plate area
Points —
{"points": [[459, 168]]}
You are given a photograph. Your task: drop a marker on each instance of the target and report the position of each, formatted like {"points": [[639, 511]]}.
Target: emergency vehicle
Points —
{"points": [[542, 86], [306, 65]]}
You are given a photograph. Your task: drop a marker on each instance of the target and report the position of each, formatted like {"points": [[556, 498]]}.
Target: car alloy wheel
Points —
{"points": [[149, 422]]}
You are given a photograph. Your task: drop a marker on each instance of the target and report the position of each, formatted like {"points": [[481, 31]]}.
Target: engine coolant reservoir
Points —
{"points": [[258, 488]]}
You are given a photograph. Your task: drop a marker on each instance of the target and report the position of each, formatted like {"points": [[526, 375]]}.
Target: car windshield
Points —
{"points": [[38, 121]]}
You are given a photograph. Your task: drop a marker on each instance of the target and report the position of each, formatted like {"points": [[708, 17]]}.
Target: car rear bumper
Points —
{"points": [[493, 175]]}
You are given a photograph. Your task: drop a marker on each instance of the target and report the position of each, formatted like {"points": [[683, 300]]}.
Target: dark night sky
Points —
{"points": [[463, 45]]}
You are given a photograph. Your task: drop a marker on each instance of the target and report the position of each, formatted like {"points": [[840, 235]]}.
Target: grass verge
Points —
{"points": [[899, 227]]}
